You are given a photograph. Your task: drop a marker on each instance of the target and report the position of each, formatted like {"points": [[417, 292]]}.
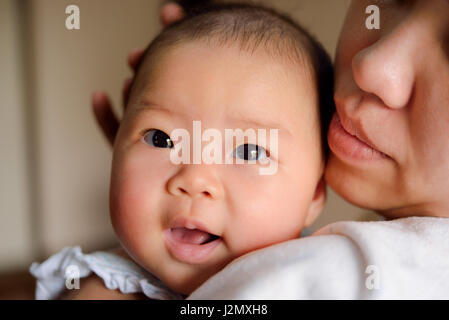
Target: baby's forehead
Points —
{"points": [[294, 57], [232, 99], [188, 61], [195, 79]]}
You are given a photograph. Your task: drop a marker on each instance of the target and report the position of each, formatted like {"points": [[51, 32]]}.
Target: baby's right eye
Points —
{"points": [[157, 138]]}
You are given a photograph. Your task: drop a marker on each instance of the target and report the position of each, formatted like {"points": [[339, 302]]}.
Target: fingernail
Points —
{"points": [[97, 97], [135, 50]]}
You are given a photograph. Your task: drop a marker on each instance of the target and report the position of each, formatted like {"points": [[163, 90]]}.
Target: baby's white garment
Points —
{"points": [[399, 259], [116, 272]]}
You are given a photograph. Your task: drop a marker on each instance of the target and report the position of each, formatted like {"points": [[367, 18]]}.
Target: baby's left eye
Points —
{"points": [[249, 151]]}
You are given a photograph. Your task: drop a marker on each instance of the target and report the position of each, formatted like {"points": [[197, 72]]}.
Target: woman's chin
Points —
{"points": [[354, 187]]}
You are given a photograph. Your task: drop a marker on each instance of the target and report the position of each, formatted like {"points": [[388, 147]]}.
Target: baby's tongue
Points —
{"points": [[191, 236]]}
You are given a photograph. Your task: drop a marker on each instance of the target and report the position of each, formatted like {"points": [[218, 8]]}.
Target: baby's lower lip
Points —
{"points": [[187, 252]]}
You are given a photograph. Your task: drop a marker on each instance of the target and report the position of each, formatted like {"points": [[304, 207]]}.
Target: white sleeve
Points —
{"points": [[116, 272], [315, 267]]}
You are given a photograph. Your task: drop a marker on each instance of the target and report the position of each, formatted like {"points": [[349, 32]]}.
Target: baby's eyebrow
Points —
{"points": [[147, 106], [261, 124], [242, 120]]}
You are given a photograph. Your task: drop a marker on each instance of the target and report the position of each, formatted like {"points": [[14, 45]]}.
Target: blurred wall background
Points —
{"points": [[55, 162]]}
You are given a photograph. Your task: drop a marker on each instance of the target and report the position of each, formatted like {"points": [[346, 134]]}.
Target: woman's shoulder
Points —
{"points": [[418, 228]]}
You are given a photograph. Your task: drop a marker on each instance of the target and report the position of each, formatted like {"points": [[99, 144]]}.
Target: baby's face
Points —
{"points": [[164, 212]]}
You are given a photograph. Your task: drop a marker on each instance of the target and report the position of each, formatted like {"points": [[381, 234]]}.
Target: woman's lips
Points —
{"points": [[187, 249], [348, 146]]}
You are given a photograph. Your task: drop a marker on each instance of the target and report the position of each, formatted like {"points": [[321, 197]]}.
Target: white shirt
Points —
{"points": [[64, 268], [400, 259]]}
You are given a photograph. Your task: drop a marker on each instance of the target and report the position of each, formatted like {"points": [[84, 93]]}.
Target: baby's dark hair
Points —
{"points": [[251, 26]]}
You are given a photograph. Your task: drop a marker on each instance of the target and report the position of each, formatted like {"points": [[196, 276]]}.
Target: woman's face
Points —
{"points": [[390, 137]]}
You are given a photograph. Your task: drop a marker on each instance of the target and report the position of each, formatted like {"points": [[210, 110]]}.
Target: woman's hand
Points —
{"points": [[101, 104]]}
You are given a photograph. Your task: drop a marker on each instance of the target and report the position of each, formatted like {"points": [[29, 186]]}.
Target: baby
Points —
{"points": [[225, 67]]}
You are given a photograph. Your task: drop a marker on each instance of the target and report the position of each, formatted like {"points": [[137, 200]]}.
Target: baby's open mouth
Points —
{"points": [[192, 236], [191, 245]]}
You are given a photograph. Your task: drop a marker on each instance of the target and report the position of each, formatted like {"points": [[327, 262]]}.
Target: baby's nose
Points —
{"points": [[195, 180]]}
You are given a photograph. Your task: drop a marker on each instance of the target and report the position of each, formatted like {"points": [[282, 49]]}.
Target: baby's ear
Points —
{"points": [[317, 204]]}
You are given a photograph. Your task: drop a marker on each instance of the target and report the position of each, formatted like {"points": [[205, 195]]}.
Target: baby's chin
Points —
{"points": [[187, 278], [179, 276]]}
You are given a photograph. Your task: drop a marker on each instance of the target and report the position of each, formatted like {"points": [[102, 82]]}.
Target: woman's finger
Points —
{"points": [[134, 57], [126, 91], [105, 116], [171, 12]]}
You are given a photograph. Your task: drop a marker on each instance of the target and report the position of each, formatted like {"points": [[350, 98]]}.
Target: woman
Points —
{"points": [[390, 153]]}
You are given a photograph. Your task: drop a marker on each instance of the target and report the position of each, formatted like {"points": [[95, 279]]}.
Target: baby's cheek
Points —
{"points": [[262, 235], [272, 209], [264, 223], [136, 193], [128, 214]]}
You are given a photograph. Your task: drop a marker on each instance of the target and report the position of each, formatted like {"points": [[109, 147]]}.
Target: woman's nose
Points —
{"points": [[195, 180], [386, 68]]}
